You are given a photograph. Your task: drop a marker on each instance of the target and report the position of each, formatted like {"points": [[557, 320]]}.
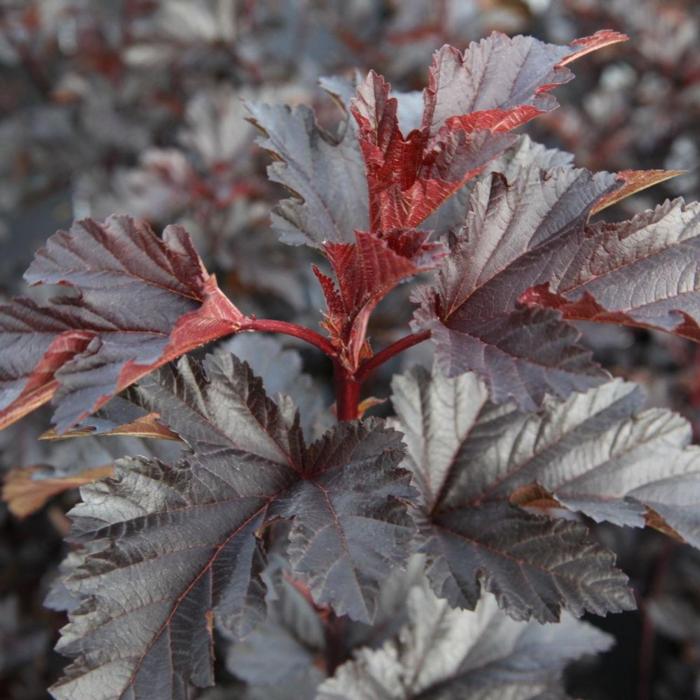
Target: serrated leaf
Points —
{"points": [[524, 153], [325, 175], [514, 75], [443, 653], [138, 302], [287, 647], [280, 368], [162, 554], [472, 100], [468, 456], [365, 272], [299, 643], [408, 179], [598, 453], [354, 526], [515, 235], [641, 272], [169, 549]]}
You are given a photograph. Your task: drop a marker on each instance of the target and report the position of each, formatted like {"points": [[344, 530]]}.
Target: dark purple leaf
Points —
{"points": [[169, 550], [325, 175], [441, 654], [137, 302], [516, 235], [641, 272]]}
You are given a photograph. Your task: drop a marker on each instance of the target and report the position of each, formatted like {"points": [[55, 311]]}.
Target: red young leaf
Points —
{"points": [[366, 271], [137, 302], [471, 101], [406, 181]]}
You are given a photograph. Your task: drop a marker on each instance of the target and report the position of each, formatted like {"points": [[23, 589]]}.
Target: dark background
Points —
{"points": [[135, 106]]}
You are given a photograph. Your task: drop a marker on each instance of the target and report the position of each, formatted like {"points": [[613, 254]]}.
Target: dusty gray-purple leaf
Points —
{"points": [[525, 354], [502, 73], [325, 175], [293, 646], [441, 654], [524, 154], [286, 647], [459, 447], [350, 524], [516, 235], [643, 271], [281, 371], [533, 565], [165, 547], [170, 550], [598, 453], [353, 525]]}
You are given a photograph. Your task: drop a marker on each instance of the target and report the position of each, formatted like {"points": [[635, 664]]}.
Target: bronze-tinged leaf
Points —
{"points": [[634, 181], [368, 404], [595, 42], [25, 495], [147, 426], [653, 519], [642, 272], [534, 498], [137, 301]]}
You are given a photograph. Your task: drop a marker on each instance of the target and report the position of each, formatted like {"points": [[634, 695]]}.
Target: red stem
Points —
{"points": [[347, 393], [382, 356], [265, 325], [347, 384]]}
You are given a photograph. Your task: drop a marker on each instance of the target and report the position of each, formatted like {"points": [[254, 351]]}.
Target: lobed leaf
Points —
{"points": [[533, 565], [513, 75], [523, 154], [169, 550], [642, 272], [137, 302], [596, 453], [443, 653], [326, 176], [516, 235]]}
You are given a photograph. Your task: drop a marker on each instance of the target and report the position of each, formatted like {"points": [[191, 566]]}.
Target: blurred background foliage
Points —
{"points": [[135, 106]]}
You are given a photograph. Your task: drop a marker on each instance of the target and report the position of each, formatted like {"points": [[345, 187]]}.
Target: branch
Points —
{"points": [[347, 393], [265, 325], [382, 356]]}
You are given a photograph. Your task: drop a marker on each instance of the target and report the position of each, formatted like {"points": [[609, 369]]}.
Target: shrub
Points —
{"points": [[443, 551]]}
